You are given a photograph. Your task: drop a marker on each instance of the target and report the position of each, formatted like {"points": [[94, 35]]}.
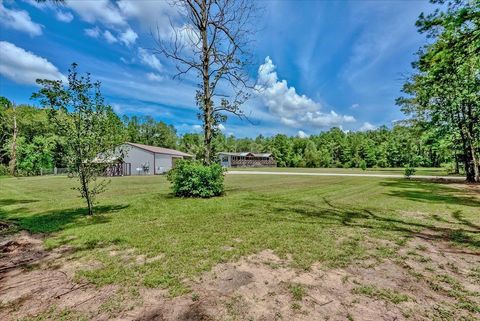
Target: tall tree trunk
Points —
{"points": [[90, 206], [469, 165], [13, 160], [466, 144], [476, 165], [457, 165], [473, 152], [207, 99]]}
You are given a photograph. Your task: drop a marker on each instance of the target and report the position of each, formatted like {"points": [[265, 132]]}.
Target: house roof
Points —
{"points": [[159, 150], [263, 155], [244, 154]]}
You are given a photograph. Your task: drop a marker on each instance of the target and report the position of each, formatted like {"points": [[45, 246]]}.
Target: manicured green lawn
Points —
{"points": [[399, 171], [334, 220]]}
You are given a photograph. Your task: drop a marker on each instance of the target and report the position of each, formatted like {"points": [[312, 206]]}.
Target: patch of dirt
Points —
{"points": [[427, 279], [258, 288], [20, 250], [28, 287]]}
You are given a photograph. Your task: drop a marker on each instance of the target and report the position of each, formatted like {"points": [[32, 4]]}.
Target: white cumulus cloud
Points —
{"points": [[92, 32], [102, 11], [25, 67], [117, 108], [154, 77], [293, 109], [355, 106], [302, 134], [128, 37], [19, 20], [149, 59], [64, 16], [109, 37], [150, 14], [367, 126]]}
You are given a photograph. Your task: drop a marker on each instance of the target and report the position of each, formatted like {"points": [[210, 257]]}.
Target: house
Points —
{"points": [[247, 159], [139, 159]]}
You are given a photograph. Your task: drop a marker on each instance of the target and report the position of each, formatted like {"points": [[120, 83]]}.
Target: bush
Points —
{"points": [[450, 168], [4, 170], [363, 165], [409, 171], [192, 179]]}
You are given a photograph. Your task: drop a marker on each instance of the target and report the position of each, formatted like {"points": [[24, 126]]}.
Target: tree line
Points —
{"points": [[40, 145], [442, 98], [443, 95]]}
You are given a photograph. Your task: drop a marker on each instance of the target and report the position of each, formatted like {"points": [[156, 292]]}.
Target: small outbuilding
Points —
{"points": [[247, 159], [142, 159]]}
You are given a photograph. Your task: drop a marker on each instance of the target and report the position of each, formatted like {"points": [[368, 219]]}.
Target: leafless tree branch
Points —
{"points": [[212, 39]]}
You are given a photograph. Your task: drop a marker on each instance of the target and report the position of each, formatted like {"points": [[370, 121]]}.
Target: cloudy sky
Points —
{"points": [[319, 63]]}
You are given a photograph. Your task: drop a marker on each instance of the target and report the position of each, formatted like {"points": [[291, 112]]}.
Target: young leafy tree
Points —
{"points": [[212, 43], [445, 91], [90, 128], [311, 155]]}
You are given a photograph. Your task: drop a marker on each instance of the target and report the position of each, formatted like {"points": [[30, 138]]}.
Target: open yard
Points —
{"points": [[273, 248], [440, 172]]}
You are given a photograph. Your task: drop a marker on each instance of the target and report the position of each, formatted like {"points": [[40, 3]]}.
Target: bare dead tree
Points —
{"points": [[212, 40]]}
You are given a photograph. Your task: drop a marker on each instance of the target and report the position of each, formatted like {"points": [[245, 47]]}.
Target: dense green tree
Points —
{"points": [[5, 126], [444, 91], [192, 144], [35, 156], [312, 157], [148, 131]]}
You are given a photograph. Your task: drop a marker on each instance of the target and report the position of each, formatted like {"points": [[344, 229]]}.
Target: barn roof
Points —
{"points": [[244, 154], [160, 150]]}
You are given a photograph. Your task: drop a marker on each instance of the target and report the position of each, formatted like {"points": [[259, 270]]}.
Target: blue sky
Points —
{"points": [[320, 63]]}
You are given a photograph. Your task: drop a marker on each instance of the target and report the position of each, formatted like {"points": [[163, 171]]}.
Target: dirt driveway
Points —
{"points": [[428, 280]]}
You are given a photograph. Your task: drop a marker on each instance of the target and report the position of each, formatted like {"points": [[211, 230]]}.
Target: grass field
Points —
{"points": [[331, 220], [312, 219], [433, 171]]}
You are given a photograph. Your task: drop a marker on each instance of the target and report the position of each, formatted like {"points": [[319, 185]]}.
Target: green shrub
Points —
{"points": [[450, 168], [409, 171], [363, 165], [4, 170], [192, 179]]}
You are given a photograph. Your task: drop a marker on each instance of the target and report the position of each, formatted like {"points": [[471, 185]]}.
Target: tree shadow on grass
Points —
{"points": [[428, 192], [11, 201], [54, 221], [461, 231]]}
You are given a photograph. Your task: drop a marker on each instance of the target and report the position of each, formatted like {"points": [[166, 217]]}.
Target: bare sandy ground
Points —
{"points": [[428, 280]]}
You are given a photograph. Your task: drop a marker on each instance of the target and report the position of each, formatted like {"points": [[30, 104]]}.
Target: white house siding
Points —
{"points": [[137, 157], [225, 160], [163, 163]]}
